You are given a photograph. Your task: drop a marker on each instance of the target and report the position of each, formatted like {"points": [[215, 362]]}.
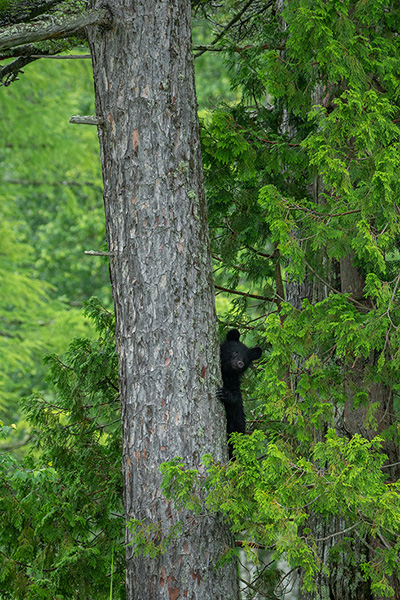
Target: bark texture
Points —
{"points": [[162, 285], [24, 34]]}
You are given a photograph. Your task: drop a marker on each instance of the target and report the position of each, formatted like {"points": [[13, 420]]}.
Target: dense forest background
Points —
{"points": [[300, 149], [57, 348], [52, 212]]}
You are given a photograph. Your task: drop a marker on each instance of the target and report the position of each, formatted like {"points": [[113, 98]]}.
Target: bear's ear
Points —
{"points": [[233, 334], [255, 353]]}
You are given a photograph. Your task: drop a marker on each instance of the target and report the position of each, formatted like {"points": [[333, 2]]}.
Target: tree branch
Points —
{"points": [[9, 73], [341, 532], [86, 120], [28, 53], [98, 253], [210, 48], [63, 56], [15, 36], [40, 50], [22, 12], [353, 300], [246, 294], [228, 26], [11, 447], [35, 182]]}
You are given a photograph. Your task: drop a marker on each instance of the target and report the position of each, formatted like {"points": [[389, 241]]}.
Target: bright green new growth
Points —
{"points": [[303, 185], [62, 523], [301, 175]]}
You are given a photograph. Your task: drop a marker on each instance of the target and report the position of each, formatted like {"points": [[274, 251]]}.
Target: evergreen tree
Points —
{"points": [[51, 212], [157, 236], [302, 180], [61, 514]]}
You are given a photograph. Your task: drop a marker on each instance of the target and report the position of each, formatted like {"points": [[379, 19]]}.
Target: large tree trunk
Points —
{"points": [[162, 286]]}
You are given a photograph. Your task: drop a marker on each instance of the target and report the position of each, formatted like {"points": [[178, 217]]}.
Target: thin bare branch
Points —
{"points": [[62, 56], [36, 183], [246, 294], [341, 532], [86, 120], [234, 19], [10, 72], [98, 253]]}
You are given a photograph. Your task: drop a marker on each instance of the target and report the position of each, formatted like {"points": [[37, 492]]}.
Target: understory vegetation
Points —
{"points": [[301, 162]]}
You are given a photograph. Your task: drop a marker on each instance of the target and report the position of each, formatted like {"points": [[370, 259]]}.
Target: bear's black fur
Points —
{"points": [[235, 359]]}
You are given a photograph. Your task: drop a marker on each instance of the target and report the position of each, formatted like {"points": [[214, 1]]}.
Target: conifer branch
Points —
{"points": [[10, 72], [24, 11], [86, 120], [246, 294], [228, 26], [62, 56], [58, 28], [200, 49], [43, 49], [98, 253], [37, 183]]}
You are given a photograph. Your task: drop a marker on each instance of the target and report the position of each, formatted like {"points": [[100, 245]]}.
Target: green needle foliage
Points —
{"points": [[267, 494], [51, 211], [303, 183], [61, 515]]}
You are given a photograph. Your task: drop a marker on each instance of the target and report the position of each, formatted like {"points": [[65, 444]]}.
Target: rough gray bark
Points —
{"points": [[162, 285], [59, 28]]}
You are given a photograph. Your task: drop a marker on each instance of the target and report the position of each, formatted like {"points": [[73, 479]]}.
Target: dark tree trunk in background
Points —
{"points": [[345, 581], [162, 285]]}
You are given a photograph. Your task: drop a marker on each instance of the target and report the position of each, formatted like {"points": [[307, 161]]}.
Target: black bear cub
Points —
{"points": [[235, 359]]}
